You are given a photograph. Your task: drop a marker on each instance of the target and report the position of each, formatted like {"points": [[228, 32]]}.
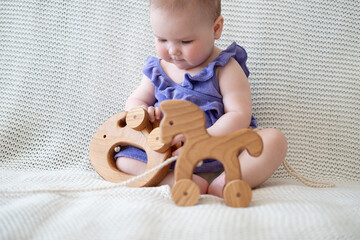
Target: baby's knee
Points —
{"points": [[275, 141], [278, 137], [273, 136]]}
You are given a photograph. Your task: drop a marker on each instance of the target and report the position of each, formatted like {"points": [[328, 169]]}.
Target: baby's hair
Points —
{"points": [[212, 7]]}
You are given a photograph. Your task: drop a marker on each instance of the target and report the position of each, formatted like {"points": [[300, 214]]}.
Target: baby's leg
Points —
{"points": [[256, 170], [130, 166], [136, 167]]}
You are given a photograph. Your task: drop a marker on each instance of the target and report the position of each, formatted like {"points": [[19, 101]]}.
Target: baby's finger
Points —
{"points": [[151, 111], [177, 139], [157, 113], [176, 152]]}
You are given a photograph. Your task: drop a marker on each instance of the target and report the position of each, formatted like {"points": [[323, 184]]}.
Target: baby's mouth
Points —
{"points": [[176, 59]]}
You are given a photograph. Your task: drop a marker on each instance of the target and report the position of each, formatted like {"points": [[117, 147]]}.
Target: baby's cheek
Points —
{"points": [[196, 54], [162, 52]]}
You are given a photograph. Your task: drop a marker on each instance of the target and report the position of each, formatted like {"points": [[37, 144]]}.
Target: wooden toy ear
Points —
{"points": [[118, 130]]}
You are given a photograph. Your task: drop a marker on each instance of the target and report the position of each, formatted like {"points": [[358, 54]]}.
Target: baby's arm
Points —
{"points": [[144, 96], [235, 89]]}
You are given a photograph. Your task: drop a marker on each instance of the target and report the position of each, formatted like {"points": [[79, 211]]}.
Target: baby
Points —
{"points": [[192, 68]]}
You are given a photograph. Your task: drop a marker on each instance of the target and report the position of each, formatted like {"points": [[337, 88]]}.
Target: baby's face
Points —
{"points": [[182, 37]]}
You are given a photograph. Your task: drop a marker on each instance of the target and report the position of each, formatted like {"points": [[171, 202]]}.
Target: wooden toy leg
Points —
{"points": [[185, 192], [231, 166], [237, 193]]}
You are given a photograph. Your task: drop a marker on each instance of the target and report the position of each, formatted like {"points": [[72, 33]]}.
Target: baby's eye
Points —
{"points": [[161, 40], [187, 42]]}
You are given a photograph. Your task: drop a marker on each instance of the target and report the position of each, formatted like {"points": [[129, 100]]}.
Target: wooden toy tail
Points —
{"points": [[255, 146]]}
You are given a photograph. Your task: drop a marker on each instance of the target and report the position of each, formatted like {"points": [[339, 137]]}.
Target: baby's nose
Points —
{"points": [[174, 50]]}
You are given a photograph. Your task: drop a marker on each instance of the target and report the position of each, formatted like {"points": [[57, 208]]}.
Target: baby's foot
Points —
{"points": [[216, 186]]}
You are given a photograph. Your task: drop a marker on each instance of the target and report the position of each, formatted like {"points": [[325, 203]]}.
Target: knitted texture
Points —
{"points": [[67, 66], [279, 210]]}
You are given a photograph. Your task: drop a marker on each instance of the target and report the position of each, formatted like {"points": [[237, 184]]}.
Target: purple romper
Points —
{"points": [[201, 89]]}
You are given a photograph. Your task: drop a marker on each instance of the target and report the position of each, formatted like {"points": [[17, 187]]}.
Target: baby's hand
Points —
{"points": [[178, 142], [154, 113]]}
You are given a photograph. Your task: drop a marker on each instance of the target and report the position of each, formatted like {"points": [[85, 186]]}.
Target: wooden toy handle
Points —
{"points": [[138, 119], [155, 143]]}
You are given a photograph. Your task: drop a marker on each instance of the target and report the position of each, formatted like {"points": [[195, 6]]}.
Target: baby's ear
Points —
{"points": [[218, 27]]}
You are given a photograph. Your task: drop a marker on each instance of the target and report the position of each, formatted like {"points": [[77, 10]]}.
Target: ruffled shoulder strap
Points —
{"points": [[237, 52], [234, 50], [151, 67]]}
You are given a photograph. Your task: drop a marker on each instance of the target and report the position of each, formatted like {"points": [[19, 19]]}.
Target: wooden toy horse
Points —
{"points": [[186, 118]]}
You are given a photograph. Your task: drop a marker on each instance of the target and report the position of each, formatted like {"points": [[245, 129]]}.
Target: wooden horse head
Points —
{"points": [[181, 117]]}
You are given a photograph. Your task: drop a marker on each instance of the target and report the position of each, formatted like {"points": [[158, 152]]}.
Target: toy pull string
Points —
{"points": [[304, 180], [122, 184], [161, 165], [288, 168]]}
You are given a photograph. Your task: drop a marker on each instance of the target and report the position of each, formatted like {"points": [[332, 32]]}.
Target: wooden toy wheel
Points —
{"points": [[185, 192], [124, 129], [237, 193]]}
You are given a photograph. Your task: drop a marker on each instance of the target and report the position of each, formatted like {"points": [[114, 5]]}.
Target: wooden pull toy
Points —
{"points": [[123, 129], [133, 128], [187, 118]]}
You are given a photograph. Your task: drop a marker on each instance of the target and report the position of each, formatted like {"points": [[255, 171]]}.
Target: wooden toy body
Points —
{"points": [[186, 118], [125, 129], [225, 149]]}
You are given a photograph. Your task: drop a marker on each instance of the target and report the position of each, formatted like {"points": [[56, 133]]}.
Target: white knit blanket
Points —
{"points": [[80, 205], [67, 66]]}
